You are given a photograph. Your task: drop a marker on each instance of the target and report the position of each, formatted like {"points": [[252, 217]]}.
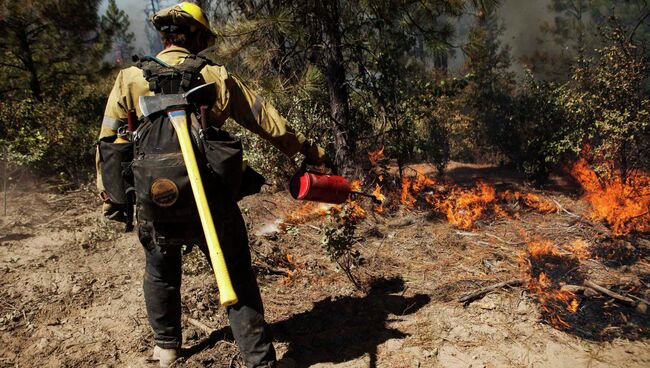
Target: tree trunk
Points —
{"points": [[28, 62], [334, 70]]}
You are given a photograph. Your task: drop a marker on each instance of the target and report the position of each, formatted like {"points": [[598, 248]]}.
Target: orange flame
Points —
{"points": [[580, 249], [375, 156], [421, 182], [623, 204], [307, 211], [357, 212], [534, 201], [537, 202], [464, 207], [553, 300], [380, 197], [406, 198], [355, 185]]}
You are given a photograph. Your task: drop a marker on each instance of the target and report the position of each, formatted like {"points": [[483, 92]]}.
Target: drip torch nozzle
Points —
{"points": [[374, 199]]}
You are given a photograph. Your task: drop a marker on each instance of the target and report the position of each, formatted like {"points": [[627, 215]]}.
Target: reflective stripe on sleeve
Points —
{"points": [[111, 123]]}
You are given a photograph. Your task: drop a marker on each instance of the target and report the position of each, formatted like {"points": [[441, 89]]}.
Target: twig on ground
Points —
{"points": [[232, 360], [468, 298], [314, 227], [201, 326], [270, 212], [560, 207], [465, 233], [610, 293]]}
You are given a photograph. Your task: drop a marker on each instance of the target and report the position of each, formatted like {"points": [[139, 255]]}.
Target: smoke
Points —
{"points": [[145, 41], [522, 21]]}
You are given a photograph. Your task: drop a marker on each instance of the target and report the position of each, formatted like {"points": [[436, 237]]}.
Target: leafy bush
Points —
{"points": [[612, 99], [54, 137]]}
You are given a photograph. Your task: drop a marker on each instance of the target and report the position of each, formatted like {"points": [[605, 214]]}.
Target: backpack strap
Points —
{"points": [[167, 79]]}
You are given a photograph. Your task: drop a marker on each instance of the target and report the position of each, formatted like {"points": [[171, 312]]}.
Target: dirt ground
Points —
{"points": [[71, 293]]}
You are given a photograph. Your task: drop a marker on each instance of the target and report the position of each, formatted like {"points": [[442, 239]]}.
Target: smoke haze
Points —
{"points": [[521, 19], [135, 9]]}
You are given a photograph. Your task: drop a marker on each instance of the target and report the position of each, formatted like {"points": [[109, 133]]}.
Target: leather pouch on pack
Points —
{"points": [[224, 155], [115, 162], [163, 189]]}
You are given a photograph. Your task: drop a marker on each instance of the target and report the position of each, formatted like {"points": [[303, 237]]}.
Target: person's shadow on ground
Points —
{"points": [[339, 330], [349, 327]]}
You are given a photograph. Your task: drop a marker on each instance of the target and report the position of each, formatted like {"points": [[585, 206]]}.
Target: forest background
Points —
{"points": [[424, 81]]}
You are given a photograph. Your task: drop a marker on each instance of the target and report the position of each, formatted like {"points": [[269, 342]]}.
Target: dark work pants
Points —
{"points": [[162, 283]]}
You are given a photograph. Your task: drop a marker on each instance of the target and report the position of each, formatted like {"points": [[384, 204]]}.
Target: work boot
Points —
{"points": [[165, 357]]}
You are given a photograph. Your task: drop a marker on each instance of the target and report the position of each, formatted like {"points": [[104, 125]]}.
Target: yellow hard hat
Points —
{"points": [[183, 15]]}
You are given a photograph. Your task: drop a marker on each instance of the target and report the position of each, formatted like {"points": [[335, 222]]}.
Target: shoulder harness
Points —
{"points": [[168, 79]]}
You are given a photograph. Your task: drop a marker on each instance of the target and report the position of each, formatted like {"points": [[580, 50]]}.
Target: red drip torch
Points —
{"points": [[318, 187]]}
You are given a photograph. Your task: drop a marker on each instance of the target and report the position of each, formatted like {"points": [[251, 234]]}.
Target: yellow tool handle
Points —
{"points": [[227, 295]]}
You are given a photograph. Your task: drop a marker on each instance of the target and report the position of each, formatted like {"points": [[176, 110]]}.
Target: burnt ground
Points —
{"points": [[70, 289]]}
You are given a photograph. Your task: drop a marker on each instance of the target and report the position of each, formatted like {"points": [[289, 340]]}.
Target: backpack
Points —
{"points": [[151, 168], [162, 187]]}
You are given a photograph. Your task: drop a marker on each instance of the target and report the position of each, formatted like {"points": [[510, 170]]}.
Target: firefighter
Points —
{"points": [[185, 31]]}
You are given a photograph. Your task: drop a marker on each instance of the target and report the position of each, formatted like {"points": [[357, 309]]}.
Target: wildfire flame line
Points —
{"points": [[623, 203]]}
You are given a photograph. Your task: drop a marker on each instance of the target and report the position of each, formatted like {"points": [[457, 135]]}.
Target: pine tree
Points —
{"points": [[155, 44], [115, 24], [44, 43], [346, 41], [490, 82]]}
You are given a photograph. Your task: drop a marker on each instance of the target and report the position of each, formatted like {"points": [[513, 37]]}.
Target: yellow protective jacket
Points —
{"points": [[234, 100]]}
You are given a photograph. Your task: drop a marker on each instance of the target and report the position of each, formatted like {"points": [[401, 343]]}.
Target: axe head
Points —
{"points": [[203, 95], [150, 105]]}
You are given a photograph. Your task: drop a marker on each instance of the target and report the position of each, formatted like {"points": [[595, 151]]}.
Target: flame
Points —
{"points": [[375, 156], [537, 202], [411, 187], [357, 212], [421, 182], [534, 201], [580, 249], [623, 204], [406, 198], [355, 186], [464, 207], [554, 301], [307, 211], [380, 197]]}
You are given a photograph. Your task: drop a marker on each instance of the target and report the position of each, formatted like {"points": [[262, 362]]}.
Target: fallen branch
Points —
{"points": [[468, 298], [559, 206], [201, 326], [610, 293]]}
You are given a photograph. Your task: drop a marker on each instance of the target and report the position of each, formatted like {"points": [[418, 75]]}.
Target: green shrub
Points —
{"points": [[56, 136]]}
